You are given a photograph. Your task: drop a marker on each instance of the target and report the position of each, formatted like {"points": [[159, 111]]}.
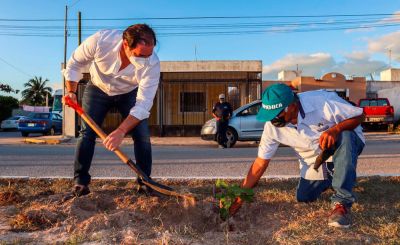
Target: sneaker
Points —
{"points": [[80, 190], [340, 216]]}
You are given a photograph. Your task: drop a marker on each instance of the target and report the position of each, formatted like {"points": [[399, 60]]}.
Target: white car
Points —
{"points": [[11, 122], [243, 125]]}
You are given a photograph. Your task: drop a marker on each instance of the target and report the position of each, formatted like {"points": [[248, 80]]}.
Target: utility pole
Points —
{"points": [[79, 28], [390, 58], [65, 63]]}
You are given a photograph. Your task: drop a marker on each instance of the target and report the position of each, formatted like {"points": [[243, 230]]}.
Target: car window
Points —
{"points": [[252, 110], [42, 116], [382, 103], [364, 103]]}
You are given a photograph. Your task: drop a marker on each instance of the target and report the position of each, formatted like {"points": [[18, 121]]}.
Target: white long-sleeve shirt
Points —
{"points": [[102, 52]]}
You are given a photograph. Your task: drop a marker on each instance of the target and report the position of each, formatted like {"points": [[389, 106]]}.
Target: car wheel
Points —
{"points": [[24, 134], [232, 137], [52, 131]]}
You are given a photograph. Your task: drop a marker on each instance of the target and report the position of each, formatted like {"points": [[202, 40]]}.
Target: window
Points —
{"points": [[42, 116], [192, 102], [252, 110]]}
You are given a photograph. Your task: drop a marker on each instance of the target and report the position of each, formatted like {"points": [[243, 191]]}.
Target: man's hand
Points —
{"points": [[235, 206], [72, 96], [114, 140], [328, 138]]}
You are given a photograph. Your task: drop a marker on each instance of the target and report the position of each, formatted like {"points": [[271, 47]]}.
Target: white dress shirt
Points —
{"points": [[102, 52], [322, 110]]}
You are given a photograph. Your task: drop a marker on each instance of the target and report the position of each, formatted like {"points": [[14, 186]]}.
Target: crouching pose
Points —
{"points": [[311, 122]]}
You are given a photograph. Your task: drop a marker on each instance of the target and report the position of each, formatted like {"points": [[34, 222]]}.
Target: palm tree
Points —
{"points": [[36, 91]]}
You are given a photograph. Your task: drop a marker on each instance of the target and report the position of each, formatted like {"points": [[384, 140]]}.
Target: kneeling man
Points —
{"points": [[311, 122]]}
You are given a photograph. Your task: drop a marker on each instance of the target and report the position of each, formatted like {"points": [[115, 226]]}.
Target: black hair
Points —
{"points": [[139, 33]]}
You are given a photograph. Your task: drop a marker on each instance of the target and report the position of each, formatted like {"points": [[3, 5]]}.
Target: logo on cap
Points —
{"points": [[272, 107]]}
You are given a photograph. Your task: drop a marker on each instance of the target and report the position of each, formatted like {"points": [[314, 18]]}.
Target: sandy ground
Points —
{"points": [[35, 212]]}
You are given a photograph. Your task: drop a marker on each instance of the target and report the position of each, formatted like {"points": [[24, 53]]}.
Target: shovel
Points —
{"points": [[124, 158]]}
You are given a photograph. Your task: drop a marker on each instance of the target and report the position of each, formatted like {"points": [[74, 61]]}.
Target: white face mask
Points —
{"points": [[139, 62]]}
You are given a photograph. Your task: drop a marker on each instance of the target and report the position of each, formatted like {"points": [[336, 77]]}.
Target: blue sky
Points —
{"points": [[279, 42]]}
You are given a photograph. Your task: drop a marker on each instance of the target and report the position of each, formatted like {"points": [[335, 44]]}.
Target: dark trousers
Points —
{"points": [[96, 104], [348, 147], [222, 126]]}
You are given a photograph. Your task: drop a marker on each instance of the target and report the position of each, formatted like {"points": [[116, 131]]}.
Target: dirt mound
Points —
{"points": [[10, 197], [115, 214], [36, 219]]}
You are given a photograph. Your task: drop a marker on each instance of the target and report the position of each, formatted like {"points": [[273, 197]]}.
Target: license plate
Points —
{"points": [[31, 125], [376, 119]]}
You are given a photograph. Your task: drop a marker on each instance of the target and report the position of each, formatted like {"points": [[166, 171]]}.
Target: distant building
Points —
{"points": [[352, 89], [286, 75], [387, 87]]}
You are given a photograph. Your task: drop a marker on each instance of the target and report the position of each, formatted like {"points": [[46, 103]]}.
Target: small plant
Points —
{"points": [[226, 194]]}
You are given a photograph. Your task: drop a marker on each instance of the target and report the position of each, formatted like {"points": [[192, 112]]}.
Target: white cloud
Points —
{"points": [[357, 63], [310, 64], [395, 18], [385, 43]]}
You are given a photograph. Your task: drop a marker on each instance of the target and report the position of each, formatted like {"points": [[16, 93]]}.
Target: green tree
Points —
{"points": [[7, 88], [36, 92], [7, 104]]}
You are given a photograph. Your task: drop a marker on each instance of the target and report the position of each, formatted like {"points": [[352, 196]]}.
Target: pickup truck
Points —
{"points": [[377, 111]]}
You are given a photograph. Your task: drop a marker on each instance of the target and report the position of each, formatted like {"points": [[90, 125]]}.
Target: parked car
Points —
{"points": [[377, 111], [46, 123], [243, 125], [11, 122]]}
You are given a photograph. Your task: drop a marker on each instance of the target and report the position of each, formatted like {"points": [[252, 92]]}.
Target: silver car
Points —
{"points": [[243, 125], [11, 122]]}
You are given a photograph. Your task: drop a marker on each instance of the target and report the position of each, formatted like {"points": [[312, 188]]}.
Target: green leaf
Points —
{"points": [[221, 184]]}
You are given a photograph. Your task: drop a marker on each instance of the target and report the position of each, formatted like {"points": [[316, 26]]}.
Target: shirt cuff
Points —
{"points": [[71, 75], [139, 113]]}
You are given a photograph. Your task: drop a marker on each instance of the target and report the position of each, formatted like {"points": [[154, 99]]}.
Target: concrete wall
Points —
{"points": [[210, 66], [393, 94]]}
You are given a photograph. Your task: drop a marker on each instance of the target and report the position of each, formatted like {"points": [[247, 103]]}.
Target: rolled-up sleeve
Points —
{"points": [[148, 86], [81, 57]]}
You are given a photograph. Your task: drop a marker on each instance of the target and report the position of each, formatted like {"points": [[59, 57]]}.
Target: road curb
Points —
{"points": [[47, 141]]}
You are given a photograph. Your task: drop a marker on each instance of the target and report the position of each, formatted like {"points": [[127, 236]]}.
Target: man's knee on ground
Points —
{"points": [[305, 197]]}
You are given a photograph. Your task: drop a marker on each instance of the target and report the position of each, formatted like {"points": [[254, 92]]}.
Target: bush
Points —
{"points": [[7, 104]]}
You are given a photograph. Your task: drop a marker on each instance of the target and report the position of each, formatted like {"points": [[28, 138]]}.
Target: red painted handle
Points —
{"points": [[73, 105]]}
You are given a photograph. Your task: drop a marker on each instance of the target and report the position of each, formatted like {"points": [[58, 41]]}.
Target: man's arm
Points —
{"points": [[329, 137], [144, 101], [114, 139], [256, 170], [82, 56]]}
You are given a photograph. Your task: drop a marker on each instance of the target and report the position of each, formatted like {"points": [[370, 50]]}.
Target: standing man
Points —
{"points": [[222, 111], [125, 74], [311, 122]]}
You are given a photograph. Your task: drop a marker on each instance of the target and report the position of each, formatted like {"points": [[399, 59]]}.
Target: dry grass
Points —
{"points": [[115, 213]]}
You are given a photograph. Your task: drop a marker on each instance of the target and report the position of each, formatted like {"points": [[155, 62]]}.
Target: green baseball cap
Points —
{"points": [[275, 98]]}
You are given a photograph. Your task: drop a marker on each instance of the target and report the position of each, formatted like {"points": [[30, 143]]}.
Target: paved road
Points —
{"points": [[381, 156]]}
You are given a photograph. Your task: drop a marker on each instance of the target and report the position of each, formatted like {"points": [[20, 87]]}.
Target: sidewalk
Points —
{"points": [[53, 140]]}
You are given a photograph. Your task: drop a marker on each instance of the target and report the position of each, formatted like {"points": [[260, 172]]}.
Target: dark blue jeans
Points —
{"points": [[348, 147], [96, 104]]}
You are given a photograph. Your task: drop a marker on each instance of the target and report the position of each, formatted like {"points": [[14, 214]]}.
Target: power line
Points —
{"points": [[16, 68], [213, 17]]}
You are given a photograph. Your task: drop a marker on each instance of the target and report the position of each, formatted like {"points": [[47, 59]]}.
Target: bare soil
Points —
{"points": [[34, 212]]}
